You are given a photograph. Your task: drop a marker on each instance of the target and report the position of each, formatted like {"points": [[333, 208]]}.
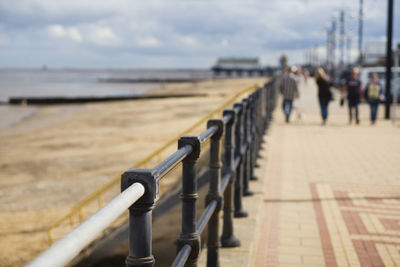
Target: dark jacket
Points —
{"points": [[353, 90], [324, 91]]}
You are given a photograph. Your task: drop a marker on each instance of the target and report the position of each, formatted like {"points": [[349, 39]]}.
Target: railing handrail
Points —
{"points": [[64, 250], [173, 160], [229, 175], [99, 192]]}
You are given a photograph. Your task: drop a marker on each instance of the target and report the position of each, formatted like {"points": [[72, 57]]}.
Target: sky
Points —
{"points": [[175, 33]]}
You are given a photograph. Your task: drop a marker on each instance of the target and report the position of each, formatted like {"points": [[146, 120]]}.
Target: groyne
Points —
{"points": [[90, 99]]}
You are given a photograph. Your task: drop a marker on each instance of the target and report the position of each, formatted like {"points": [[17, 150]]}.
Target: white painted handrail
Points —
{"points": [[64, 250]]}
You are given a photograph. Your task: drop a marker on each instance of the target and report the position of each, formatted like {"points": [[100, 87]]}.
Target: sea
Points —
{"points": [[77, 82]]}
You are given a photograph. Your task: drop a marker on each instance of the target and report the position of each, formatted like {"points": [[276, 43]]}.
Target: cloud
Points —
{"points": [[3, 39], [81, 31], [148, 41], [74, 34], [102, 35], [188, 40], [224, 42], [59, 31], [30, 13]]}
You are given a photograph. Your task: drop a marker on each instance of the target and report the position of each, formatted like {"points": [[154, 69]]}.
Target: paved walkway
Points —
{"points": [[330, 194]]}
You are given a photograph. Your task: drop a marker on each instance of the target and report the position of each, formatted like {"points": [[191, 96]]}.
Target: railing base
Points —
{"points": [[248, 193], [230, 242], [241, 214]]}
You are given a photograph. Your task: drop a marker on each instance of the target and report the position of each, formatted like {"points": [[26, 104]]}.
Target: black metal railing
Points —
{"points": [[242, 129]]}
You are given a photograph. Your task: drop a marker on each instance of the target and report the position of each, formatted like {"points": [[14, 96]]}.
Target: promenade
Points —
{"points": [[327, 195]]}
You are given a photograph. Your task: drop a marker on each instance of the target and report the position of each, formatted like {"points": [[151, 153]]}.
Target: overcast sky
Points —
{"points": [[173, 33]]}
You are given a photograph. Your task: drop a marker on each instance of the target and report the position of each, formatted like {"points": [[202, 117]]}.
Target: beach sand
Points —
{"points": [[58, 155]]}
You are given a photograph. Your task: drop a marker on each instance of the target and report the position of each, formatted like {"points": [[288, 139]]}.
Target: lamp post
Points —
{"points": [[396, 83], [360, 32], [388, 94]]}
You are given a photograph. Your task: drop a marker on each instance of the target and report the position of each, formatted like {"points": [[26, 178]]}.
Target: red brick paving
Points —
{"points": [[366, 249], [326, 244]]}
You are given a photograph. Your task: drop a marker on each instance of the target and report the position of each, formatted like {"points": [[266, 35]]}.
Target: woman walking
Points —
{"points": [[374, 94], [324, 92]]}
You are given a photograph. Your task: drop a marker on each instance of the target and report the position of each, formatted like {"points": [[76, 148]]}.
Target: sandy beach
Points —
{"points": [[58, 155]]}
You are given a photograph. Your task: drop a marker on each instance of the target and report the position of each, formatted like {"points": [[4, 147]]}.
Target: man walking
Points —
{"points": [[353, 89], [289, 90]]}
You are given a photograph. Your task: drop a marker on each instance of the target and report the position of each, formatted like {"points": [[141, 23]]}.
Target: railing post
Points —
{"points": [[262, 114], [257, 125], [259, 128], [253, 135], [214, 192], [263, 107], [257, 116], [228, 239], [247, 154], [260, 118], [189, 196], [140, 216], [268, 104], [272, 97], [239, 154]]}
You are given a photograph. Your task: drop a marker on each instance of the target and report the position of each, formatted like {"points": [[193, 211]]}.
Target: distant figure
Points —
{"points": [[298, 76], [324, 92], [299, 72], [373, 94], [296, 70], [289, 91], [353, 89], [306, 75]]}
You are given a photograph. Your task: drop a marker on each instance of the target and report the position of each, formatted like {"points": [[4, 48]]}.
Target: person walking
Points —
{"points": [[353, 88], [324, 92], [373, 94], [289, 90], [298, 77]]}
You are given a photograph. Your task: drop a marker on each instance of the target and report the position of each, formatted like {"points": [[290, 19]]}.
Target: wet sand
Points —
{"points": [[57, 155]]}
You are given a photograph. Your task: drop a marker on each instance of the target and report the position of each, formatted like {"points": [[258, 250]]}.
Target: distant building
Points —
{"points": [[374, 54], [238, 67]]}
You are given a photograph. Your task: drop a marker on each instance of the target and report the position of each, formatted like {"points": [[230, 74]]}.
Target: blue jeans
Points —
{"points": [[287, 106], [323, 103], [355, 107], [374, 110]]}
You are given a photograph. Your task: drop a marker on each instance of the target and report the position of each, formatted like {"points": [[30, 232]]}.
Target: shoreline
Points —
{"points": [[15, 115]]}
